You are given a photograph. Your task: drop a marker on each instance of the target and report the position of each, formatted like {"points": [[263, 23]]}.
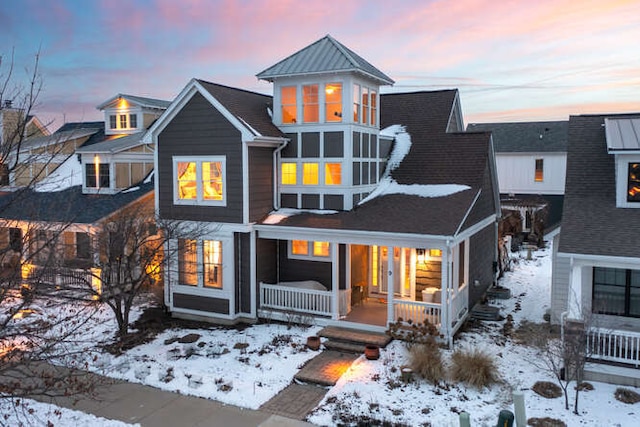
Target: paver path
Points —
{"points": [[295, 401]]}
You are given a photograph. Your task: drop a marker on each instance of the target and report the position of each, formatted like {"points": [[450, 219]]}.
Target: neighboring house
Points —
{"points": [[531, 159], [327, 200], [15, 128], [596, 262], [51, 226]]}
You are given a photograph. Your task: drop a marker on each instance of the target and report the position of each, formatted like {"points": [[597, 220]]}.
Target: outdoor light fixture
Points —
{"points": [[421, 255]]}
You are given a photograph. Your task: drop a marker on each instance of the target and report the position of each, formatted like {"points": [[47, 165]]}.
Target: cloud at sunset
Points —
{"points": [[510, 60]]}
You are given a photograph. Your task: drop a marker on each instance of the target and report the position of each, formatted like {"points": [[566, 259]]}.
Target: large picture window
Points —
{"points": [[200, 181], [633, 183], [200, 263], [616, 291]]}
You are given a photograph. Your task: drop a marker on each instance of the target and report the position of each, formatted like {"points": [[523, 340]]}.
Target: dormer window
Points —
{"points": [[333, 102], [97, 175], [365, 105], [123, 121], [633, 183], [289, 108]]}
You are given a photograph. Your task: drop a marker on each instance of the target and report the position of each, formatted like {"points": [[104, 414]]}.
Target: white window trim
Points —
{"points": [[199, 201], [310, 256], [227, 273]]}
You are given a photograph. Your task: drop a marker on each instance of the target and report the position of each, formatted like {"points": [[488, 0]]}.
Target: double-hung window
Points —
{"points": [[306, 249], [97, 175], [200, 181], [200, 263]]}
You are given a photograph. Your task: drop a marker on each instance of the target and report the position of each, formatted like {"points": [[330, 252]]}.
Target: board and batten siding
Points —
{"points": [[200, 130], [260, 182], [560, 271], [516, 173]]}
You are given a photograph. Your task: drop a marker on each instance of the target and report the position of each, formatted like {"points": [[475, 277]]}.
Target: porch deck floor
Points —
{"points": [[370, 312]]}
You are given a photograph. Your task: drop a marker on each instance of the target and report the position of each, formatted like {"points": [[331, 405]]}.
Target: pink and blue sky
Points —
{"points": [[513, 60]]}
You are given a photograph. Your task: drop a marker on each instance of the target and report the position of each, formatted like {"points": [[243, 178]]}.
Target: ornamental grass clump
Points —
{"points": [[426, 361], [473, 367]]}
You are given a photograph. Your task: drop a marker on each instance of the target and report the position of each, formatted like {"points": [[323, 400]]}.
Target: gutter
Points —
{"points": [[276, 202]]}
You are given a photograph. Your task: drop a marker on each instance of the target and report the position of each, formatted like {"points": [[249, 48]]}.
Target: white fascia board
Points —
{"points": [[602, 260], [176, 106], [348, 236], [217, 227]]}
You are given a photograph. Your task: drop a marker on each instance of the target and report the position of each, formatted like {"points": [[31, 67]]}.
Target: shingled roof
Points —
{"points": [[591, 223], [250, 107], [67, 206], [526, 137], [326, 55]]}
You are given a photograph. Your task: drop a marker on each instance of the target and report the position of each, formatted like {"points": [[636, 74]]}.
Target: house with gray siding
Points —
{"points": [[326, 199], [531, 159], [596, 266]]}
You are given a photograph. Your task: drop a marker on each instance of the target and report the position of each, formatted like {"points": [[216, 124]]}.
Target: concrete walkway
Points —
{"points": [[149, 406]]}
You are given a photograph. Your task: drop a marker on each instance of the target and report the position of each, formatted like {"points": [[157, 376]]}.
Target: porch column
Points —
{"points": [[445, 297], [574, 295], [335, 279], [390, 285]]}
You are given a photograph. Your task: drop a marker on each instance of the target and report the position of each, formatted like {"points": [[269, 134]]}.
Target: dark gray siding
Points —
{"points": [[295, 270], [200, 130], [342, 263], [260, 182], [266, 261], [242, 251], [200, 303], [482, 257]]}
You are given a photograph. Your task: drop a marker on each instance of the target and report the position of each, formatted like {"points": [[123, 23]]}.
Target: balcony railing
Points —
{"points": [[417, 312]]}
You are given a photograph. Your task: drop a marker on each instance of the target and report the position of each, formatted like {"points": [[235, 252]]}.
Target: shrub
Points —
{"points": [[412, 333], [547, 389], [426, 361], [545, 422], [625, 395], [474, 367]]}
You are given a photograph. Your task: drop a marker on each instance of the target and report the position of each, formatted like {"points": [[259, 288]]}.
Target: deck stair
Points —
{"points": [[485, 312], [352, 340]]}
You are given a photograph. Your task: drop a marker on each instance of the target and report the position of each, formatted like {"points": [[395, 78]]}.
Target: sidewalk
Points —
{"points": [[148, 406]]}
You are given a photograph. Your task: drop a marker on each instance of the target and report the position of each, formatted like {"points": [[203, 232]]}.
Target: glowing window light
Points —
{"points": [[300, 247], [435, 253], [333, 173], [321, 249], [374, 265], [289, 171], [310, 173]]}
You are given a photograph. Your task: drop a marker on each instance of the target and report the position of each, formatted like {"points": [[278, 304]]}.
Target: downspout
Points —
{"points": [[276, 201]]}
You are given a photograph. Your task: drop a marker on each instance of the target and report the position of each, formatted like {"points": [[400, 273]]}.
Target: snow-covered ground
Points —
{"points": [[246, 367]]}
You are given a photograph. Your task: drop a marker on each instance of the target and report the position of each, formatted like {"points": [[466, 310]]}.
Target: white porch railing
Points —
{"points": [[459, 308], [289, 298], [614, 346], [417, 312]]}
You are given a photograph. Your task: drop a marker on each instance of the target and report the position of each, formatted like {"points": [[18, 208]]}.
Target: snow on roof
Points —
{"points": [[388, 185], [68, 174], [276, 216]]}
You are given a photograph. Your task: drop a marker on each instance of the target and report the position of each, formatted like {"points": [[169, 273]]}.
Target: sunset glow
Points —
{"points": [[512, 60]]}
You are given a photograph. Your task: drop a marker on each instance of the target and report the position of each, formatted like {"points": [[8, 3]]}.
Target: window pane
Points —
{"points": [[112, 122], [288, 99], [212, 263], [310, 173], [187, 188], [133, 121], [289, 174], [310, 103], [104, 175], [539, 170], [365, 105], [633, 185], [83, 245], [356, 103], [90, 175], [187, 262], [299, 247], [321, 249], [333, 102], [333, 173], [123, 121], [609, 290], [374, 106], [212, 180]]}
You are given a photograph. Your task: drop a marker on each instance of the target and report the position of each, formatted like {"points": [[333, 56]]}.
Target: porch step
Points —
{"points": [[352, 340], [495, 292], [485, 312]]}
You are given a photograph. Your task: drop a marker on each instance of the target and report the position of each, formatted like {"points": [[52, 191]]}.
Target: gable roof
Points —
{"points": [[526, 137], [67, 206], [249, 107], [113, 145], [138, 100], [591, 223], [326, 55]]}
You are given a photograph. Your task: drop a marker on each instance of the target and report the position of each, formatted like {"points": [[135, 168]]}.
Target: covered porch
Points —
{"points": [[373, 285]]}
